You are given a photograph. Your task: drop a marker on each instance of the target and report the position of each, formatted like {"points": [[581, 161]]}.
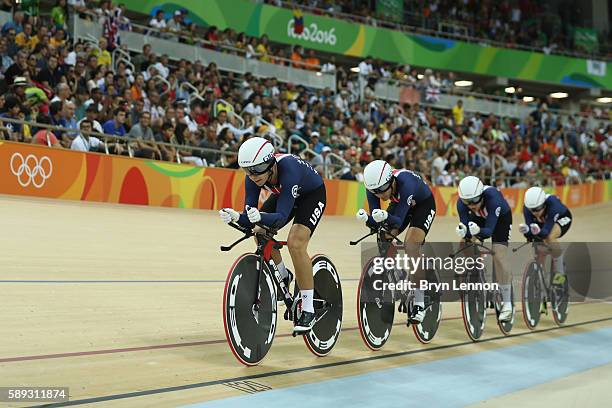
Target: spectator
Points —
{"points": [[44, 136], [18, 69], [458, 112], [322, 162], [104, 57], [85, 143], [59, 39], [175, 24], [262, 49], [11, 131], [166, 135], [52, 75], [115, 126], [296, 57], [159, 22], [91, 114], [59, 14], [25, 39], [312, 62], [16, 24], [143, 133], [210, 142], [68, 120]]}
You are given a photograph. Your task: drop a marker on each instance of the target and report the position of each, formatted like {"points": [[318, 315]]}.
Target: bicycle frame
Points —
{"points": [[540, 259], [265, 244]]}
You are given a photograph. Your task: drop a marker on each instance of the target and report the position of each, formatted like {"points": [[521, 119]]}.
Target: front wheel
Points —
{"points": [[531, 295], [474, 305], [375, 307], [328, 307], [427, 329], [249, 310]]}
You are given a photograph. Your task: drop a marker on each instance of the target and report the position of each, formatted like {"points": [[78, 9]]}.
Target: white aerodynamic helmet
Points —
{"points": [[470, 189], [378, 176], [256, 155], [535, 198]]}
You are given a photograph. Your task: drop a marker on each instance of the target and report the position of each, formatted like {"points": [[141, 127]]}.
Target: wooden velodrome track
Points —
{"points": [[123, 305]]}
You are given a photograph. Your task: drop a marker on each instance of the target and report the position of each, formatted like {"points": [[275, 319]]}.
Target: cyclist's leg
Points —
{"points": [[308, 213], [270, 206], [420, 223], [500, 237], [556, 252]]}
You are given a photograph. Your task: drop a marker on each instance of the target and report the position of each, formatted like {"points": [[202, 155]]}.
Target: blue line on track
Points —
{"points": [[450, 382]]}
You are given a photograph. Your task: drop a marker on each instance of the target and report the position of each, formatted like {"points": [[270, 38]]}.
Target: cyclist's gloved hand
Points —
{"points": [[474, 228], [461, 230], [535, 228], [379, 215], [362, 215], [253, 214], [229, 215], [523, 228]]}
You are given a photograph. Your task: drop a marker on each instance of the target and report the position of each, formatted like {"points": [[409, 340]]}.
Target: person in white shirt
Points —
{"points": [[330, 66], [365, 67], [254, 106], [158, 21], [84, 143]]}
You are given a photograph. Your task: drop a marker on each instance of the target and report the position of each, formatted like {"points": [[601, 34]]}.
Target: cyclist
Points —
{"points": [[298, 193], [547, 220], [412, 206], [485, 213]]}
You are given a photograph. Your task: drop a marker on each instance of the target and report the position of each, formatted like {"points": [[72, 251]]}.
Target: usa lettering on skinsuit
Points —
{"points": [[316, 215]]}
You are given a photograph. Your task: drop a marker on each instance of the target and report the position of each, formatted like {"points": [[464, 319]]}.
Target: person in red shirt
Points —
{"points": [[45, 136]]}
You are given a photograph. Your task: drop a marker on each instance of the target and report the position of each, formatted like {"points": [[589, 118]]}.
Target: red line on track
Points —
{"points": [[143, 348], [175, 345]]}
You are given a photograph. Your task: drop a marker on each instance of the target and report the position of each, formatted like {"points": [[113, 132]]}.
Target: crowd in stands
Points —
{"points": [[51, 80], [546, 26]]}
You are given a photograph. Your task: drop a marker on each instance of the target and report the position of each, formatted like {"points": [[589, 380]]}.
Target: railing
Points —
{"points": [[231, 113], [389, 89], [124, 57], [327, 167], [234, 60], [194, 94], [105, 138]]}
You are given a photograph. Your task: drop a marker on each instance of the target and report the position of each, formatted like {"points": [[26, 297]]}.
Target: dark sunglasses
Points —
{"points": [[259, 169], [471, 201], [382, 188], [537, 209]]}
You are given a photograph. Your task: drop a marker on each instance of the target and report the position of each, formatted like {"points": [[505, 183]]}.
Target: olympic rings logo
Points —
{"points": [[30, 170]]}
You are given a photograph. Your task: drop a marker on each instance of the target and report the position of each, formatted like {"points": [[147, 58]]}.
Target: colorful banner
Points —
{"points": [[359, 40], [39, 171]]}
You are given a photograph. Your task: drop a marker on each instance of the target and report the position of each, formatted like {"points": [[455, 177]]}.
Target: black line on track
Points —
{"points": [[130, 281], [308, 368]]}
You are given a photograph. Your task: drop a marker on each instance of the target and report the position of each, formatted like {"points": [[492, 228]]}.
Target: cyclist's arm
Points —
{"points": [[251, 199], [529, 219], [396, 219], [462, 210], [288, 180], [493, 212], [373, 204]]}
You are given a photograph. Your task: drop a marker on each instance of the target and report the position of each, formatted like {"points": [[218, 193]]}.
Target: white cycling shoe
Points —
{"points": [[506, 313]]}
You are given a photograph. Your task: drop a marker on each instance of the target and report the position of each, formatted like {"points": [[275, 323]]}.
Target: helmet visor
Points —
{"points": [[472, 201], [382, 188], [259, 169]]}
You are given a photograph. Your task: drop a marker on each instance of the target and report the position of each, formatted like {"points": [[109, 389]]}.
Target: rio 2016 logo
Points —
{"points": [[313, 33]]}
